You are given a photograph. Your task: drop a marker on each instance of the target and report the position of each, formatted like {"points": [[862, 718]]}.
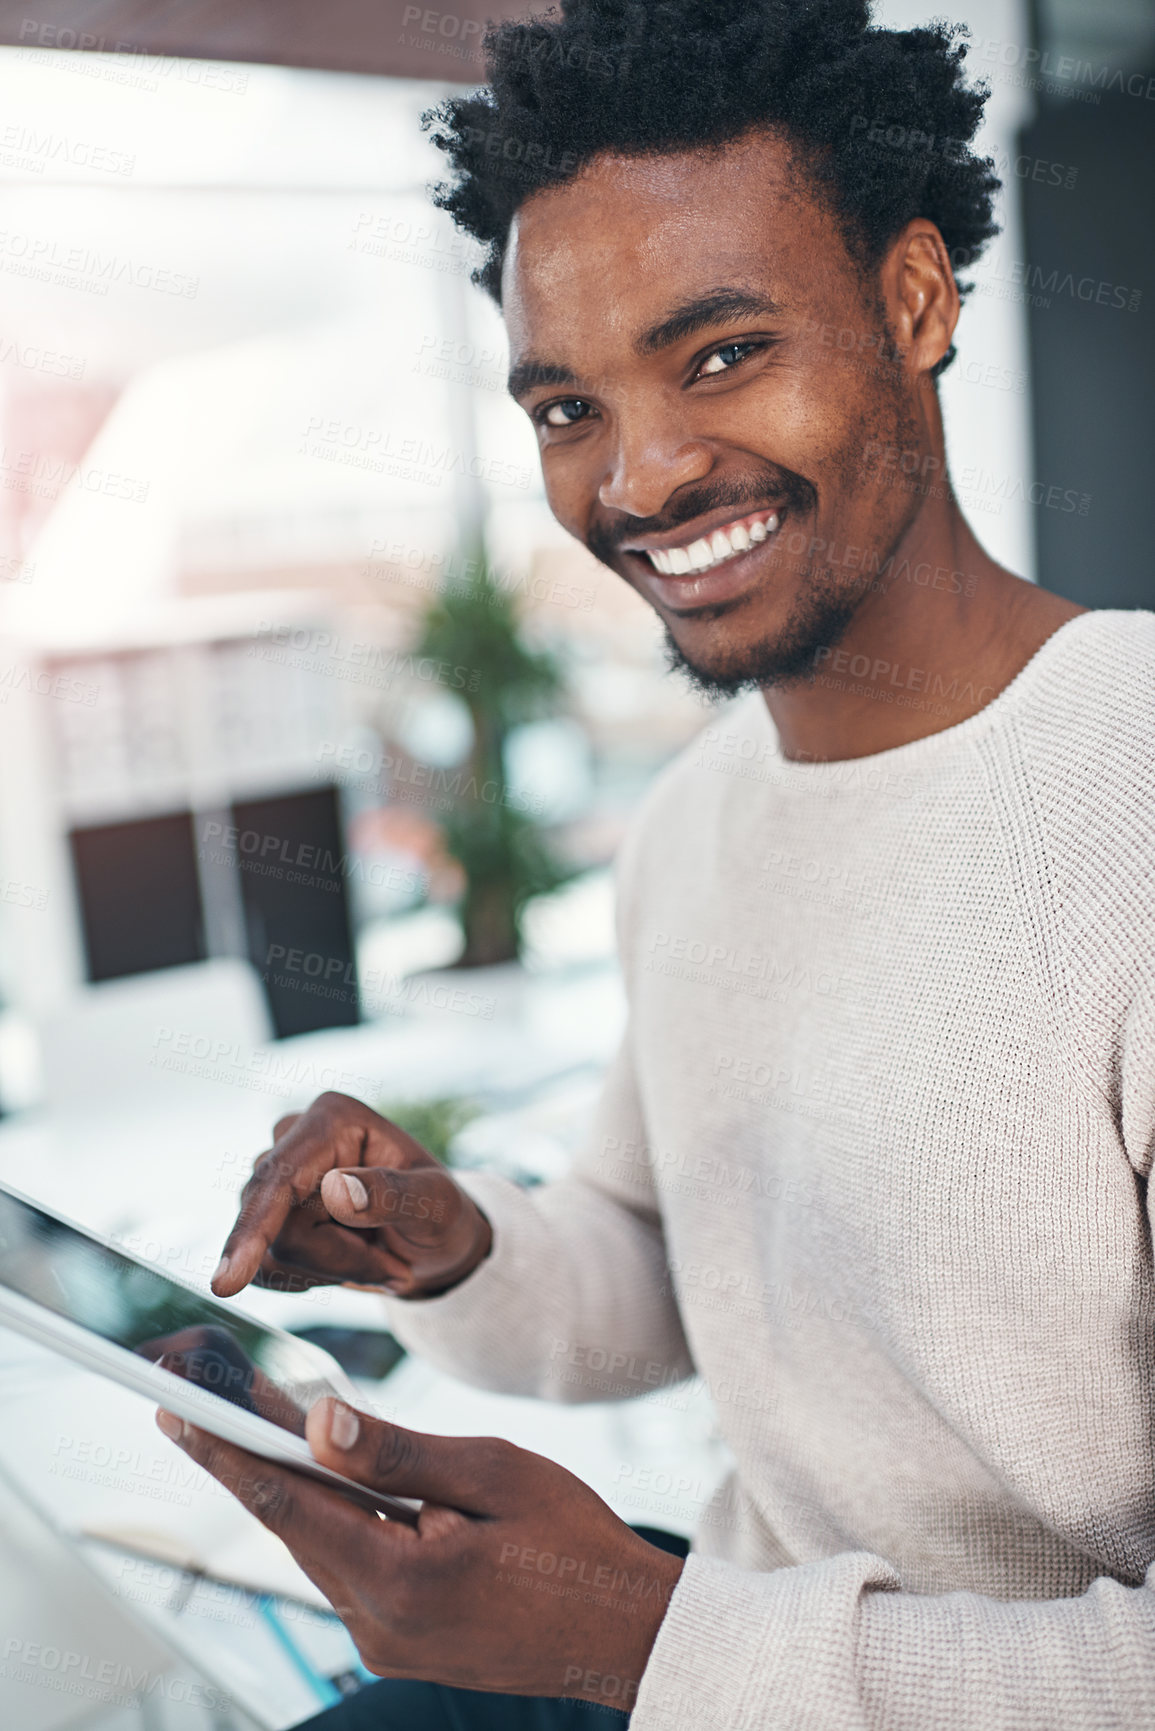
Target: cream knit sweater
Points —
{"points": [[874, 1161]]}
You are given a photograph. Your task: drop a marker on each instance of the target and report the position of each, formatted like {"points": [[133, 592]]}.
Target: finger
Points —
{"points": [[259, 1486], [266, 1200], [287, 1176], [283, 1274], [280, 1130], [345, 1257], [320, 1527], [312, 1242], [474, 1474], [414, 1203], [311, 1519]]}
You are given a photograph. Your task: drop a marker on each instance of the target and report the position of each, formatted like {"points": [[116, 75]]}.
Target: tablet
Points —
{"points": [[201, 1358]]}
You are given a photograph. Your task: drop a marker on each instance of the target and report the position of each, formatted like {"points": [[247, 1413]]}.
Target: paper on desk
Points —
{"points": [[246, 1561]]}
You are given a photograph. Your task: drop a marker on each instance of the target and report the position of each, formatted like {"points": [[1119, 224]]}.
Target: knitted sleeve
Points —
{"points": [[835, 1646], [573, 1303]]}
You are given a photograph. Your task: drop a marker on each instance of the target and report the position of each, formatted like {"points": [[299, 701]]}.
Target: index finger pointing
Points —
{"points": [[286, 1176], [265, 1203], [334, 1131]]}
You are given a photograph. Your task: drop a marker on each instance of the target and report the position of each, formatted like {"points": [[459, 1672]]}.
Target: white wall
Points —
{"points": [[986, 392]]}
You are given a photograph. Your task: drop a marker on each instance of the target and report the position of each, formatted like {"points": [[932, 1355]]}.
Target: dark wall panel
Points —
{"points": [[1091, 275], [140, 901], [290, 852]]}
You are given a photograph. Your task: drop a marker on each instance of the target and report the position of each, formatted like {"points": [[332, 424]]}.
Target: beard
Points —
{"points": [[818, 619], [825, 599], [823, 607]]}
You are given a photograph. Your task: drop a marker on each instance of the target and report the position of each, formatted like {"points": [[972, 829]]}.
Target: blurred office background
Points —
{"points": [[318, 735]]}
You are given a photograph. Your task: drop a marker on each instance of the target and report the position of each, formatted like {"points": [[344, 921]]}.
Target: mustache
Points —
{"points": [[781, 488]]}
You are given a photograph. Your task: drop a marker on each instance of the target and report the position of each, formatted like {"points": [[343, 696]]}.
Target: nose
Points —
{"points": [[650, 461]]}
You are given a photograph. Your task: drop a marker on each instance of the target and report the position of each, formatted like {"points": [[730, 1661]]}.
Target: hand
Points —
{"points": [[516, 1578], [344, 1197]]}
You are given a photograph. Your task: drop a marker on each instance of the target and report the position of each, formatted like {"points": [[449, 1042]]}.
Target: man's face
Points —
{"points": [[679, 328]]}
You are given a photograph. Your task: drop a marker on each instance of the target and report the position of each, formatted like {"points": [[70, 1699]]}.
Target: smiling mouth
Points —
{"points": [[703, 554]]}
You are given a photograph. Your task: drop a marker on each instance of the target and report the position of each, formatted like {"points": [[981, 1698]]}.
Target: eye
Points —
{"points": [[723, 360], [564, 414]]}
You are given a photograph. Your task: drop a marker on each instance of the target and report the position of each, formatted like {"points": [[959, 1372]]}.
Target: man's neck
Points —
{"points": [[950, 631]]}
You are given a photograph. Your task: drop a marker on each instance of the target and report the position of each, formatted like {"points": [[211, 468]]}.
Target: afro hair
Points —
{"points": [[882, 119]]}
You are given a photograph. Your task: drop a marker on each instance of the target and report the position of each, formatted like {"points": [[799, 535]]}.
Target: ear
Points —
{"points": [[921, 295]]}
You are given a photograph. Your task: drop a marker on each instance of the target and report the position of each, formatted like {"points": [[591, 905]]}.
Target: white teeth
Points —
{"points": [[721, 544]]}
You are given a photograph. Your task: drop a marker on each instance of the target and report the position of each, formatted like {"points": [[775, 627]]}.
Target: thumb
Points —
{"points": [[412, 1201], [457, 1472]]}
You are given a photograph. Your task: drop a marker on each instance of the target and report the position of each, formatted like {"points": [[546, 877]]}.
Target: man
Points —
{"points": [[874, 1156]]}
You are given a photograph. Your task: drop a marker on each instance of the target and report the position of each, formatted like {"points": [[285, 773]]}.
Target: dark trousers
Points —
{"points": [[398, 1705]]}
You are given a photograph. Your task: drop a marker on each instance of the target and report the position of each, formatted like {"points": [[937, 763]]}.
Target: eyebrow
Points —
{"points": [[526, 374], [703, 311], [698, 314]]}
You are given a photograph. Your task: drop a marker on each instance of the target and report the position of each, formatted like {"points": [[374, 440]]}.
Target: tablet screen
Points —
{"points": [[127, 1302]]}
